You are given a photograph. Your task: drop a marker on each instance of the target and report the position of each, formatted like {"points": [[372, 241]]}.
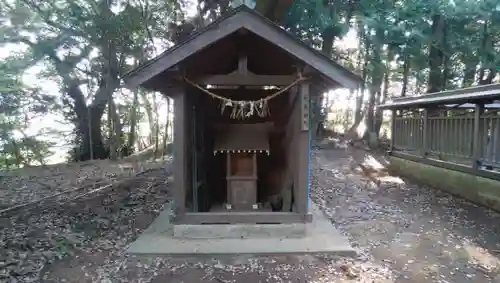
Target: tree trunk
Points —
{"points": [[133, 123], [328, 37], [435, 81], [266, 8], [387, 74], [446, 60], [110, 79], [150, 115], [88, 117], [489, 78], [319, 114], [116, 130], [488, 58], [327, 45], [446, 73], [165, 136], [111, 134], [273, 10], [377, 77], [385, 92], [419, 82], [156, 132], [89, 122], [359, 112], [17, 154], [470, 70], [406, 74], [89, 127], [329, 34], [370, 112]]}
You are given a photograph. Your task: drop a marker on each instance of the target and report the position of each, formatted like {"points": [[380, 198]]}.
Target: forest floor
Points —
{"points": [[403, 232]]}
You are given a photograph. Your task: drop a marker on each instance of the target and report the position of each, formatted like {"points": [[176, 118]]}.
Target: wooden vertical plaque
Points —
{"points": [[305, 107]]}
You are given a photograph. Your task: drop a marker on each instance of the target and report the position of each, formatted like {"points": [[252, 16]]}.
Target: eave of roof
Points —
{"points": [[225, 26], [458, 96]]}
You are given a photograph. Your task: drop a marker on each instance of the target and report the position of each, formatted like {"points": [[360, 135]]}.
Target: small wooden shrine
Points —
{"points": [[243, 89], [241, 143]]}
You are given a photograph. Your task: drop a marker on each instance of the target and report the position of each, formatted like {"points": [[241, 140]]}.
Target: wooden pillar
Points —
{"points": [[477, 139], [492, 151], [304, 146], [289, 144], [425, 134], [180, 153], [496, 140], [393, 130]]}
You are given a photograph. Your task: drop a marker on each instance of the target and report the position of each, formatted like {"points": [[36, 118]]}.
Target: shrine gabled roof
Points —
{"points": [[242, 18]]}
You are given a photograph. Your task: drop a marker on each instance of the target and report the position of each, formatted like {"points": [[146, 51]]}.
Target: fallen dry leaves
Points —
{"points": [[102, 222], [403, 232]]}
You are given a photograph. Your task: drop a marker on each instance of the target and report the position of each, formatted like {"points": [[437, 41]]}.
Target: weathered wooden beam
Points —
{"points": [[180, 152], [243, 65], [238, 78], [244, 77], [292, 110], [303, 147], [243, 217]]}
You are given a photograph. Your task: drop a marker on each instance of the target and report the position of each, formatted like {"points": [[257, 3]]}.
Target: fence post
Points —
{"points": [[393, 130], [425, 134], [477, 139]]}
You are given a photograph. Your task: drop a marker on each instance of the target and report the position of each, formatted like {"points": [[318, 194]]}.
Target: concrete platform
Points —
{"points": [[321, 237]]}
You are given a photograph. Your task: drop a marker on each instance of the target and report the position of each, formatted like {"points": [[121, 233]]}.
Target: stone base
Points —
{"points": [[240, 231], [317, 237]]}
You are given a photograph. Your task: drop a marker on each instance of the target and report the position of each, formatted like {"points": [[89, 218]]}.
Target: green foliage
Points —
{"points": [[471, 34], [85, 46], [18, 105], [308, 19]]}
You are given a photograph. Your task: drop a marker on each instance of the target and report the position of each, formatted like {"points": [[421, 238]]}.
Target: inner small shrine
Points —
{"points": [[241, 143]]}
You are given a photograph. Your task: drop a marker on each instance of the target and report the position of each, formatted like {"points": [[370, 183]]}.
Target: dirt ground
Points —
{"points": [[404, 233], [419, 234]]}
